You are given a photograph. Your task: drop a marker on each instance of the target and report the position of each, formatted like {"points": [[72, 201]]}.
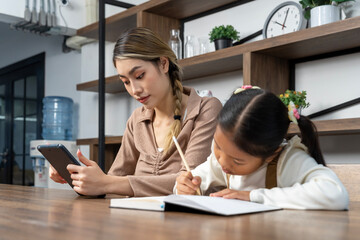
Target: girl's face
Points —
{"points": [[145, 81], [233, 160]]}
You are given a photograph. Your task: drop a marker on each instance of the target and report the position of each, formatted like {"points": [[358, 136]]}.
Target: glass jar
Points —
{"points": [[203, 45], [175, 43], [189, 47]]}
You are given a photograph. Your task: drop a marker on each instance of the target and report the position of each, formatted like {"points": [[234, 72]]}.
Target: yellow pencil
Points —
{"points": [[183, 159]]}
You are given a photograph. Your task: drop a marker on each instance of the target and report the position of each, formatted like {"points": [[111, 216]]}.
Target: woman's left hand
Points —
{"points": [[89, 179], [229, 194]]}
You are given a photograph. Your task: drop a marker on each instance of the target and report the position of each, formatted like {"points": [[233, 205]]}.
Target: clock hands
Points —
{"points": [[279, 24], [283, 25], [287, 12]]}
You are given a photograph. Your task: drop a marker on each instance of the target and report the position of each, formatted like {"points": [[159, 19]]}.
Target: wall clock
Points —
{"points": [[286, 18]]}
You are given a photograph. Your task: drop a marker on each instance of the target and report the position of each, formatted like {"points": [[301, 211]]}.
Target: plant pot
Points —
{"points": [[324, 14], [222, 43]]}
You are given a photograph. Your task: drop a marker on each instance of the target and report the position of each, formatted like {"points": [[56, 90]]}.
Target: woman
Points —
{"points": [[148, 162]]}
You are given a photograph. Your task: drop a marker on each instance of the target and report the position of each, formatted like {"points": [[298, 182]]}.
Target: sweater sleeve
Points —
{"points": [[304, 184], [210, 173], [198, 148], [212, 176]]}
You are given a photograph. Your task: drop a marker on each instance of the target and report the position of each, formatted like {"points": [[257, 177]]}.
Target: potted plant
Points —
{"points": [[297, 98], [223, 36], [322, 11]]}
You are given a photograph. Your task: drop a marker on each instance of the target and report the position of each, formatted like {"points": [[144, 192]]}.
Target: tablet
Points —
{"points": [[59, 157]]}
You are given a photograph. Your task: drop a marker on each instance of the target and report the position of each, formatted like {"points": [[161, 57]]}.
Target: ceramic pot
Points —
{"points": [[324, 14], [222, 43]]}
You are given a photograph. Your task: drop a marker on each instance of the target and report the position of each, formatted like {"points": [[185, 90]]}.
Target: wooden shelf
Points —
{"points": [[217, 62], [337, 36], [186, 8], [108, 140], [332, 127], [132, 17], [112, 85], [112, 146]]}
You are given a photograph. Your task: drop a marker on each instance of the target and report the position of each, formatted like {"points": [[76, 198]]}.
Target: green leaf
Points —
{"points": [[298, 98]]}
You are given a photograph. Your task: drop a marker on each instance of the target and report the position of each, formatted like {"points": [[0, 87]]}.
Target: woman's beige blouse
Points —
{"points": [[152, 173]]}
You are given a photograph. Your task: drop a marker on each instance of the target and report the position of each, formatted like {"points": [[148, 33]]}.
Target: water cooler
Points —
{"points": [[56, 128], [41, 165]]}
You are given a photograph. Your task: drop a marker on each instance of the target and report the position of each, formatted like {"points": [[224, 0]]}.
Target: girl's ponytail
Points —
{"points": [[310, 139]]}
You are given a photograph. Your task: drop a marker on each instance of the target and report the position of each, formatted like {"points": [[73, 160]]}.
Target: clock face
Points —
{"points": [[284, 19]]}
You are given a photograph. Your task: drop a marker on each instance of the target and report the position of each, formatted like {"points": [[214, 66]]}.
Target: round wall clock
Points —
{"points": [[286, 18]]}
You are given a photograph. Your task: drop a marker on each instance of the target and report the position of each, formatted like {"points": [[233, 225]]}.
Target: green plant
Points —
{"points": [[226, 32], [307, 5], [298, 98]]}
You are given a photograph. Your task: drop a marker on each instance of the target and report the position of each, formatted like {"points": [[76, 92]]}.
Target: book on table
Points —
{"points": [[191, 203]]}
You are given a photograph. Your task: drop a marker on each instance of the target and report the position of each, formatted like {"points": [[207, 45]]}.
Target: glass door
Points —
{"points": [[21, 92], [4, 144]]}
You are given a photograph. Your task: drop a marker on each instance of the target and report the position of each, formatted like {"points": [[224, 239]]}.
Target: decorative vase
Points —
{"points": [[222, 43], [324, 14]]}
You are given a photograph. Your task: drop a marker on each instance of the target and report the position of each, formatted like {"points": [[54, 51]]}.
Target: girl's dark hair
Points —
{"points": [[259, 122]]}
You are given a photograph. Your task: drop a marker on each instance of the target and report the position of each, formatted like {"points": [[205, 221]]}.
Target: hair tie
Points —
{"points": [[244, 87], [177, 117], [293, 113]]}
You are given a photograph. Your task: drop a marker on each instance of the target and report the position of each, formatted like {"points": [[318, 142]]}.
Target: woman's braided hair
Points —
{"points": [[141, 43]]}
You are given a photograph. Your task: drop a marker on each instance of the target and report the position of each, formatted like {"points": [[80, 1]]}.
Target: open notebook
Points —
{"points": [[188, 203]]}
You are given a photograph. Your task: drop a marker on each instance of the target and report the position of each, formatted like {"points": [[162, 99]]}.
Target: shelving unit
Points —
{"points": [[112, 145], [265, 63], [267, 55]]}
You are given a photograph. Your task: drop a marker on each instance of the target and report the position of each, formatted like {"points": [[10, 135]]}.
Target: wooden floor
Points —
{"points": [[37, 213]]}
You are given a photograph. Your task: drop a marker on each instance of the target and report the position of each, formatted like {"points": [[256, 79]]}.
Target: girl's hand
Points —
{"points": [[187, 184], [232, 194], [88, 179], [55, 176]]}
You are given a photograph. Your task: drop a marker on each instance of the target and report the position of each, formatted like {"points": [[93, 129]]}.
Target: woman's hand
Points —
{"points": [[229, 194], [88, 179], [55, 176], [187, 184]]}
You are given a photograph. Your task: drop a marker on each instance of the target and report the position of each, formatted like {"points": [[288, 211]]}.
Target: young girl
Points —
{"points": [[252, 161], [148, 163]]}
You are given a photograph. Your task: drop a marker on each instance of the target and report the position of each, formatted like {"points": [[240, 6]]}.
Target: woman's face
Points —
{"points": [[145, 81], [233, 160]]}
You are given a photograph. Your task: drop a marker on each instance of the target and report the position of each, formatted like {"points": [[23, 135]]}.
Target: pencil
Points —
{"points": [[183, 159]]}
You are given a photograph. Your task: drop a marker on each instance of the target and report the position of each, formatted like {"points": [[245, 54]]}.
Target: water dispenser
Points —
{"points": [[57, 118], [41, 165]]}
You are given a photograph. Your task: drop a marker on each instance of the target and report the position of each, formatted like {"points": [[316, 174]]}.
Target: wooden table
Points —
{"points": [[38, 213]]}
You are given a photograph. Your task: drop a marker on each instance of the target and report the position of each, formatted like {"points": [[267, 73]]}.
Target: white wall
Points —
{"points": [[62, 70], [312, 77]]}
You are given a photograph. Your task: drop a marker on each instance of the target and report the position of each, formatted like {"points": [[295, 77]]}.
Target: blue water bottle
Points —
{"points": [[57, 118]]}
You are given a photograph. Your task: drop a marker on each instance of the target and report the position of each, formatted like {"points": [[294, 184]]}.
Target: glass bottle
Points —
{"points": [[189, 47], [203, 45], [175, 43]]}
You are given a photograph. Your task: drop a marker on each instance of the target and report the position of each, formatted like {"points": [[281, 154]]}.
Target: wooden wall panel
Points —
{"points": [[268, 72], [159, 24]]}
